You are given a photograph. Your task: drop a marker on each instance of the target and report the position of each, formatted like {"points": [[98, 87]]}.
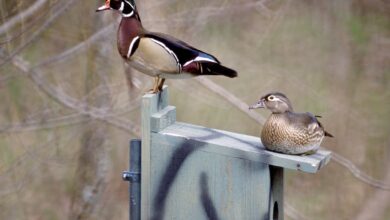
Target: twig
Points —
{"points": [[375, 206], [22, 16], [359, 174], [18, 184], [234, 100], [45, 124], [79, 47], [60, 97], [61, 7]]}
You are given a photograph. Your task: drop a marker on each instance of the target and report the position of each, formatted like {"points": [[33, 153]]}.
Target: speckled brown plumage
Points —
{"points": [[286, 131]]}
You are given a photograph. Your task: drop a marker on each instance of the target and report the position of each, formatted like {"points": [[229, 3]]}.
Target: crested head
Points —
{"points": [[126, 7], [276, 102]]}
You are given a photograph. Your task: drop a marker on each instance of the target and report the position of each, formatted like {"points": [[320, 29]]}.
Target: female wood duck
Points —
{"points": [[286, 131], [159, 55]]}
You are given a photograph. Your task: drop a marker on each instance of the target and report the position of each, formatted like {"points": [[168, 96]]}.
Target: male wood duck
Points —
{"points": [[159, 55], [286, 131]]}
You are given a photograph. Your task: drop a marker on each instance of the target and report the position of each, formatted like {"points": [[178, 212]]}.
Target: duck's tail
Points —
{"points": [[209, 68], [327, 134]]}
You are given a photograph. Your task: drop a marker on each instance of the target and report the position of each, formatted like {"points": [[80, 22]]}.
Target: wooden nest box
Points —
{"points": [[193, 172]]}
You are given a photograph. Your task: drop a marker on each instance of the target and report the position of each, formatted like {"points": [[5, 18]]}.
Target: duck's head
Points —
{"points": [[126, 7], [276, 102]]}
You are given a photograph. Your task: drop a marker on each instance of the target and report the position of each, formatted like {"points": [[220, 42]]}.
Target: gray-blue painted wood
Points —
{"points": [[193, 172]]}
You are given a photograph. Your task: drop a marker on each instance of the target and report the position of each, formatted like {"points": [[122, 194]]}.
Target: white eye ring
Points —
{"points": [[271, 98]]}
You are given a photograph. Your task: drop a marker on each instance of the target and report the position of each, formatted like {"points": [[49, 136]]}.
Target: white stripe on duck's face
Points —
{"points": [[152, 57], [126, 7]]}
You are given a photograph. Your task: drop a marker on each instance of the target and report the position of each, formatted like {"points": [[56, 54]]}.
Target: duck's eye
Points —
{"points": [[271, 97]]}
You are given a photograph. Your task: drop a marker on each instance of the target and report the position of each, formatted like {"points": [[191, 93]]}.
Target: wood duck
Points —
{"points": [[286, 131], [159, 55]]}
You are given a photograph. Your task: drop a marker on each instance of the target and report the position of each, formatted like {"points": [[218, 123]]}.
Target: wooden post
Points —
{"points": [[193, 172]]}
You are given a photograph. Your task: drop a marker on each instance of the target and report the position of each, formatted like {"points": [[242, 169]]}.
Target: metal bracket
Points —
{"points": [[132, 177]]}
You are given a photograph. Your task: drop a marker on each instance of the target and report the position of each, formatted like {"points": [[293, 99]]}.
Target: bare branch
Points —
{"points": [[32, 22], [359, 174], [38, 4], [214, 11], [11, 185], [234, 100], [58, 10], [375, 206], [59, 96], [45, 124], [78, 48]]}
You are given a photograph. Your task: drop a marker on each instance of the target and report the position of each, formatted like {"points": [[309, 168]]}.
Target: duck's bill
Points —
{"points": [[104, 7], [260, 104]]}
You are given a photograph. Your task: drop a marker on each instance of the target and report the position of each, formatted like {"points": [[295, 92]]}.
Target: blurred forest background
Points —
{"points": [[69, 105]]}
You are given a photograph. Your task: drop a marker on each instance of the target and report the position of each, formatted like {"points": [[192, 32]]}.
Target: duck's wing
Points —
{"points": [[181, 49], [188, 58], [320, 124], [309, 122]]}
